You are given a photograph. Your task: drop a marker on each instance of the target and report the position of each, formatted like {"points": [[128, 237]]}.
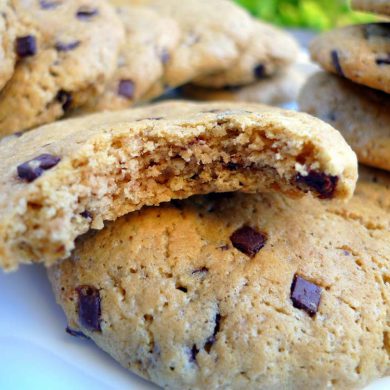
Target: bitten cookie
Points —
{"points": [[246, 291], [214, 35], [275, 90], [63, 47], [60, 180], [359, 53], [149, 43], [270, 50], [377, 6], [360, 113]]}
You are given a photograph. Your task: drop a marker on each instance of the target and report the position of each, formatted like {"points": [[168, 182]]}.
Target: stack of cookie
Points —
{"points": [[103, 58], [224, 290], [354, 95], [202, 245]]}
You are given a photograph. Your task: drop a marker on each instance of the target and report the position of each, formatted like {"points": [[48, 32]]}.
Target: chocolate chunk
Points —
{"points": [[47, 4], [75, 333], [336, 63], [211, 340], [86, 12], [89, 307], [193, 353], [231, 166], [165, 56], [62, 46], [383, 60], [259, 71], [32, 169], [248, 240], [26, 46], [324, 185], [86, 214], [126, 88], [305, 295], [65, 98]]}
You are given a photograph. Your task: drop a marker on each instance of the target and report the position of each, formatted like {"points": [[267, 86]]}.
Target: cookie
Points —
{"points": [[214, 34], [275, 90], [245, 291], [270, 50], [149, 43], [381, 7], [60, 180], [361, 114], [359, 53], [9, 42], [58, 59]]}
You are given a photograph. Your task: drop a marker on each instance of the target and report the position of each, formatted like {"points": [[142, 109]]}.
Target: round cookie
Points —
{"points": [[246, 291], [381, 7], [269, 51], [149, 43], [276, 90], [60, 180], [359, 53], [8, 33], [361, 114], [64, 48], [214, 34]]}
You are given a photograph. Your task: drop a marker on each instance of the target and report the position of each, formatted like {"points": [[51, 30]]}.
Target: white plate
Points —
{"points": [[36, 353]]}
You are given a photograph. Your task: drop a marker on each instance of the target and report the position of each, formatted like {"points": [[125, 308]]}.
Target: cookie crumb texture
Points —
{"points": [[112, 163], [184, 308], [360, 53], [63, 48]]}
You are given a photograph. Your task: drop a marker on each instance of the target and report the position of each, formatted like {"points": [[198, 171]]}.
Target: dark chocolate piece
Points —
{"points": [[32, 169], [336, 63], [193, 353], [248, 240], [26, 46], [49, 4], [65, 98], [305, 295], [324, 185], [62, 46], [86, 214], [89, 307], [126, 88], [259, 71], [86, 12], [211, 340]]}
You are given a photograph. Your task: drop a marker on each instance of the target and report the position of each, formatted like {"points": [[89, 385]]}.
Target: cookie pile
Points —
{"points": [[354, 95], [105, 58], [218, 245]]}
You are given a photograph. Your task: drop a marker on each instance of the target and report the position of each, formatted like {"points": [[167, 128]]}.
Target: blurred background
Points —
{"points": [[315, 14]]}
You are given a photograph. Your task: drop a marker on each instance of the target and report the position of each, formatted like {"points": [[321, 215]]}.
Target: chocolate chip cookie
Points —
{"points": [[381, 7], [149, 43], [360, 113], [63, 47], [270, 50], [239, 291], [276, 90], [214, 34], [360, 53], [10, 43], [62, 179]]}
